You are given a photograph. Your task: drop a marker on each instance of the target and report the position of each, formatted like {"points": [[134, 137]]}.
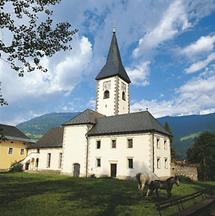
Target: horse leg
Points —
{"points": [[148, 192], [157, 194], [142, 188]]}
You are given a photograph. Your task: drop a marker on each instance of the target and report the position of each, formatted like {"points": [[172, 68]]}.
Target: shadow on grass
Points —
{"points": [[107, 196], [103, 194]]}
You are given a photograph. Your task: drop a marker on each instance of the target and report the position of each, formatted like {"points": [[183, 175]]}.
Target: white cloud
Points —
{"points": [[91, 104], [194, 97], [173, 21], [69, 72], [139, 74], [200, 64], [62, 76], [203, 44]]}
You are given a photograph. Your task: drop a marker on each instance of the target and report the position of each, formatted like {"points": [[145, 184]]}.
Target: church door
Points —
{"points": [[76, 169], [113, 169]]}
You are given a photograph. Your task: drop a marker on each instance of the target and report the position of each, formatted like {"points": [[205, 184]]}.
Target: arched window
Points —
{"points": [[106, 94], [123, 95]]}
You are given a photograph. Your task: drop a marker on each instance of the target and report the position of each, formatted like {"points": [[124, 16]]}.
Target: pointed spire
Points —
{"points": [[113, 66]]}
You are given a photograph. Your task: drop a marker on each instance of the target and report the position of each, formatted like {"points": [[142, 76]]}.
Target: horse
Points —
{"points": [[165, 185], [144, 180]]}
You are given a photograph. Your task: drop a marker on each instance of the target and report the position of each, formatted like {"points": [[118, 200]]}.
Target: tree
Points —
{"points": [[30, 34], [2, 100], [173, 153], [202, 152]]}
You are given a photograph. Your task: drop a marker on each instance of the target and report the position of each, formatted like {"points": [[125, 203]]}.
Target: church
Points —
{"points": [[109, 141]]}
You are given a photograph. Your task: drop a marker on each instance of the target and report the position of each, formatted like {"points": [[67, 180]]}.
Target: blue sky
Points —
{"points": [[167, 48]]}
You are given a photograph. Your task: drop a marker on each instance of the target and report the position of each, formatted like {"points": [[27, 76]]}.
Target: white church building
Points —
{"points": [[110, 141]]}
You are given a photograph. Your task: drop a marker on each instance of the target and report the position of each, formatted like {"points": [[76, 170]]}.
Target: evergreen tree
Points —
{"points": [[203, 153]]}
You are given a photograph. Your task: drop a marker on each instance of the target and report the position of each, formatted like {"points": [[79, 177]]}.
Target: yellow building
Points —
{"points": [[13, 145]]}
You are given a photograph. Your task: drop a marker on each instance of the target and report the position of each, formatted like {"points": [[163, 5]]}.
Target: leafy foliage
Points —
{"points": [[203, 153], [2, 136], [2, 100], [33, 36], [16, 167]]}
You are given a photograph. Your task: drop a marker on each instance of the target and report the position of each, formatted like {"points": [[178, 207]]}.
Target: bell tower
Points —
{"points": [[112, 90]]}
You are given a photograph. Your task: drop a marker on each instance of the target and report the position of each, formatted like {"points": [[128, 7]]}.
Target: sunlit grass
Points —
{"points": [[48, 194]]}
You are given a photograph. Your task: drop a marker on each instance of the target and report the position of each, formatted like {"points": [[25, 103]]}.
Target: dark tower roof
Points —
{"points": [[113, 64]]}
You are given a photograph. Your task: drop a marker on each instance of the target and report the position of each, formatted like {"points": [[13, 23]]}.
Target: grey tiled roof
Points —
{"points": [[52, 139], [11, 132], [86, 117], [114, 64], [127, 123]]}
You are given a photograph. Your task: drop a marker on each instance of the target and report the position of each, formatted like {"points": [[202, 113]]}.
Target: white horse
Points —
{"points": [[145, 180]]}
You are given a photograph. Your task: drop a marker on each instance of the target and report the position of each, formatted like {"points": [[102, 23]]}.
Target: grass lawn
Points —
{"points": [[23, 194]]}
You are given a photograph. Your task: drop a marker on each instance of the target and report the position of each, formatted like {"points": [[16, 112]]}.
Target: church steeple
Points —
{"points": [[112, 91], [113, 66]]}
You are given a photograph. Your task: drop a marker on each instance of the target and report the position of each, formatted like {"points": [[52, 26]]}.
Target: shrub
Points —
{"points": [[16, 167]]}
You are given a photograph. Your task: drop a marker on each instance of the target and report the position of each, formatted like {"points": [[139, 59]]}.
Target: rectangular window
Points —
{"points": [[60, 160], [22, 151], [113, 143], [158, 143], [158, 163], [49, 160], [98, 162], [38, 150], [10, 151], [165, 144], [165, 163], [98, 144], [130, 143], [130, 163]]}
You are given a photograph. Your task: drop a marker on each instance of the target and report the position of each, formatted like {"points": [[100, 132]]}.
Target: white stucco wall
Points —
{"points": [[43, 159], [55, 159], [123, 105], [74, 148], [114, 104], [161, 152], [141, 154]]}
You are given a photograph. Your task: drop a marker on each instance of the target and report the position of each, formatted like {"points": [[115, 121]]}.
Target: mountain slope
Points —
{"points": [[38, 126], [184, 128]]}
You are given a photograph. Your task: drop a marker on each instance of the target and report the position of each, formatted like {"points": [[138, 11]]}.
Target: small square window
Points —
{"points": [[158, 143], [98, 162], [165, 144], [98, 144], [22, 151], [48, 160], [130, 143], [60, 160], [10, 151], [113, 143], [158, 163], [165, 163], [130, 163]]}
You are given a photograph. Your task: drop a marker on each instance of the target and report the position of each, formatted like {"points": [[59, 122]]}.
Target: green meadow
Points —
{"points": [[42, 194]]}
